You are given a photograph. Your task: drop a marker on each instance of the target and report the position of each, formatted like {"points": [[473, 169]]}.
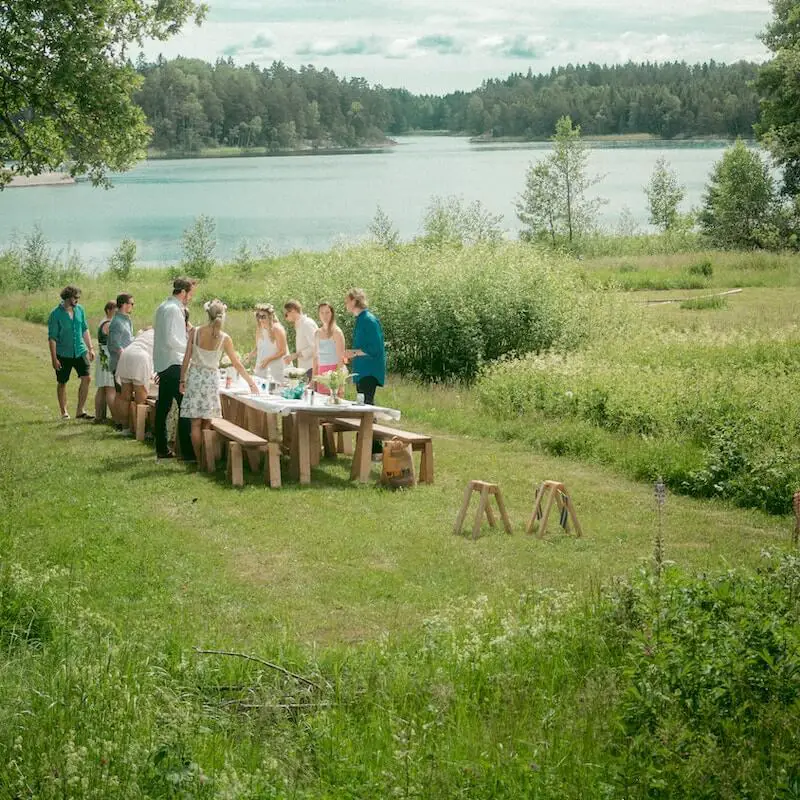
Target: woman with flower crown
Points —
{"points": [[200, 371], [271, 344]]}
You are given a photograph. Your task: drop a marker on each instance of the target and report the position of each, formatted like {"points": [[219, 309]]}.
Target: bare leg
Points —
{"points": [[111, 398], [123, 405], [83, 394], [197, 434], [100, 404], [61, 394]]}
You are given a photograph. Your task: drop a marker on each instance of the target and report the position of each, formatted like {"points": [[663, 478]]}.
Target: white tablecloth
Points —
{"points": [[275, 404]]}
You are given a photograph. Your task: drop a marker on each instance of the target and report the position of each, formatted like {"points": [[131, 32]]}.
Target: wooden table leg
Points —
{"points": [[302, 426], [362, 460], [313, 441]]}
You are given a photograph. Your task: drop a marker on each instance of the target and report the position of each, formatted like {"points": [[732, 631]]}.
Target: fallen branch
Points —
{"points": [[684, 299], [258, 660]]}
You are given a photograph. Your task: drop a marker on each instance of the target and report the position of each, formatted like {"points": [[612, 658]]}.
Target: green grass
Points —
{"points": [[442, 667]]}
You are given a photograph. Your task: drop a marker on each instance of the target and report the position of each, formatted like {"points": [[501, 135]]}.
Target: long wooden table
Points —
{"points": [[306, 416]]}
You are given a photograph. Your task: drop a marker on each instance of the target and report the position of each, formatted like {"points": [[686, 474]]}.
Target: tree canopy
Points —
{"points": [[66, 83], [779, 126]]}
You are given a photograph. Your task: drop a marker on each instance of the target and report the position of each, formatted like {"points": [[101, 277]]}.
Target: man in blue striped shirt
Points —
{"points": [[70, 348]]}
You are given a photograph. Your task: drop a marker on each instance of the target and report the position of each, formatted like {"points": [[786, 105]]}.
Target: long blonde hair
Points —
{"points": [[269, 310], [216, 315]]}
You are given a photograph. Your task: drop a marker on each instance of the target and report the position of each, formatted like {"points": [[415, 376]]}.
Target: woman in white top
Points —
{"points": [[200, 372], [328, 344], [271, 344], [134, 373]]}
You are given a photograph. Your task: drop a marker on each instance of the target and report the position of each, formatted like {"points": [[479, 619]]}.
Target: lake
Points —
{"points": [[312, 202]]}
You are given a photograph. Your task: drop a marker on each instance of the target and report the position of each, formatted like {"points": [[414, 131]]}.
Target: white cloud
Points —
{"points": [[442, 45]]}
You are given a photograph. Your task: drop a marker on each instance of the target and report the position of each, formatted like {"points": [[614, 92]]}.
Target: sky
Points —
{"points": [[438, 46]]}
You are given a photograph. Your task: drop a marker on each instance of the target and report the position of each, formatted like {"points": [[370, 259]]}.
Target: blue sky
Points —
{"points": [[441, 45]]}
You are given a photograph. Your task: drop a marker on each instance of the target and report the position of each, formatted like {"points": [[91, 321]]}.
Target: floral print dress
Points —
{"points": [[201, 399]]}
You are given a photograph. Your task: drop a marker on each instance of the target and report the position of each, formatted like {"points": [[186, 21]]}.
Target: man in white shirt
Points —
{"points": [[305, 331], [169, 348]]}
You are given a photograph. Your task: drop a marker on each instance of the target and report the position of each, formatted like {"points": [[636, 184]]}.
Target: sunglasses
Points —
{"points": [[262, 316]]}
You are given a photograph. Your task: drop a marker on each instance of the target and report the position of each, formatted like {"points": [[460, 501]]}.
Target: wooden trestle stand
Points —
{"points": [[547, 492], [485, 489]]}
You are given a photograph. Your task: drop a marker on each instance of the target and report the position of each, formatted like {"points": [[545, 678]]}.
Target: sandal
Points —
{"points": [[84, 415]]}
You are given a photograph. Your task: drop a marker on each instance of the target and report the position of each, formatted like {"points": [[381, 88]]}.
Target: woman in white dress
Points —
{"points": [[134, 373], [200, 372], [328, 345], [105, 396], [271, 344]]}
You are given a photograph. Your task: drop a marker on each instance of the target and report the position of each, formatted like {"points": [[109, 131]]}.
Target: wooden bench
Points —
{"points": [[240, 439], [419, 442]]}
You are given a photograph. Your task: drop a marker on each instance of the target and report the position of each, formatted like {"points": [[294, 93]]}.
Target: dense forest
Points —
{"points": [[192, 105]]}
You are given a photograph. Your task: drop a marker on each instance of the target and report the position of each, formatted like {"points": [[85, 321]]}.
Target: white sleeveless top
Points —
{"points": [[207, 359], [266, 348]]}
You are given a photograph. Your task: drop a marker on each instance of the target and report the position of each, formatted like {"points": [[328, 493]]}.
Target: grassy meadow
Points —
{"points": [[415, 663]]}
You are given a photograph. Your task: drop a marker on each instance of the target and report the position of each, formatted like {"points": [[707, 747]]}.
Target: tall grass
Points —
{"points": [[725, 393], [679, 687]]}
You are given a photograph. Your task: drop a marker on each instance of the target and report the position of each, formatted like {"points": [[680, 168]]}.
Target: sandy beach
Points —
{"points": [[44, 179]]}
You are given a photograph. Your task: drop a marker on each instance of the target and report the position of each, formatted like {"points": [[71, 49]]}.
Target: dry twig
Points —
{"points": [[258, 660]]}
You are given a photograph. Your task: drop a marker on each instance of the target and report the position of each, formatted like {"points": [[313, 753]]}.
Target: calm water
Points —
{"points": [[311, 202]]}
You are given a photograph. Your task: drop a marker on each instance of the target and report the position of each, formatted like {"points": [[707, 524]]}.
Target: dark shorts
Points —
{"points": [[80, 365]]}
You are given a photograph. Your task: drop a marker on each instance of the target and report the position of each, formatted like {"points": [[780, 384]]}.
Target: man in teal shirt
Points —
{"points": [[70, 348], [368, 356]]}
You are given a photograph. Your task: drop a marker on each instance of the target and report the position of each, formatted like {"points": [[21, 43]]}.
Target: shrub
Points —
{"points": [[382, 231], [451, 222], [199, 244], [243, 261], [708, 674], [704, 268], [10, 270], [123, 259], [36, 268]]}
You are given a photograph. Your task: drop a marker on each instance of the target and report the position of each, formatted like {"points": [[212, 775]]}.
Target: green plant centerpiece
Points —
{"points": [[335, 381]]}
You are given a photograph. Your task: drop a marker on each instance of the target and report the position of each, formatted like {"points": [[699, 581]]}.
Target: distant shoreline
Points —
{"points": [[263, 152], [616, 140]]}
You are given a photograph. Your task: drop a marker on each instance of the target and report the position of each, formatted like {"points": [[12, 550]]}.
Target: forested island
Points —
{"points": [[194, 106]]}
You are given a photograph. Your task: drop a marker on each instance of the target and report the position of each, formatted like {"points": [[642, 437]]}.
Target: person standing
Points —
{"points": [[329, 345], [120, 335], [70, 348], [305, 333], [103, 377], [270, 344], [368, 354], [200, 372], [169, 348]]}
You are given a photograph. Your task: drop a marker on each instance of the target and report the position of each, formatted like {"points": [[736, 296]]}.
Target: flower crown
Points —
{"points": [[207, 307]]}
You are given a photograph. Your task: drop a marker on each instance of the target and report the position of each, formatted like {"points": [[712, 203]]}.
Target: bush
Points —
{"points": [[123, 259], [10, 271], [199, 244], [708, 675], [382, 231], [703, 268], [451, 222], [243, 261], [36, 268]]}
